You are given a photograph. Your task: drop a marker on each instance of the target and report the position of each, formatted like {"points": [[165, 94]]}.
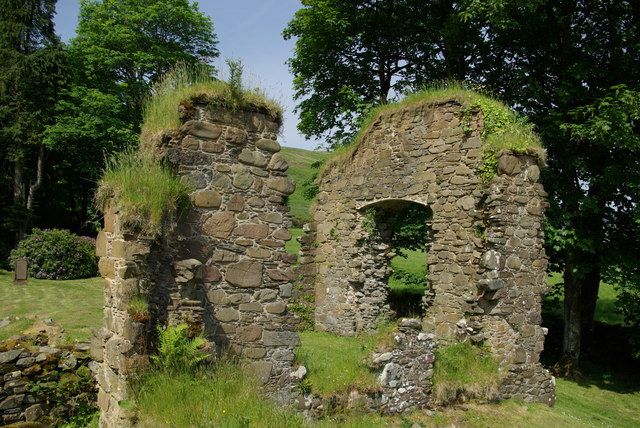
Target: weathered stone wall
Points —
{"points": [[303, 296], [120, 346], [44, 383], [237, 229], [407, 369], [221, 267], [404, 368], [515, 278], [422, 156], [486, 263]]}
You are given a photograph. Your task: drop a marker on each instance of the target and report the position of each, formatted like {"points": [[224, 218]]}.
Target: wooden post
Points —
{"points": [[21, 272]]}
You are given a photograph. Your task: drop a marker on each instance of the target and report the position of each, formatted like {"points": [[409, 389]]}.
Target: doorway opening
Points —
{"points": [[405, 228]]}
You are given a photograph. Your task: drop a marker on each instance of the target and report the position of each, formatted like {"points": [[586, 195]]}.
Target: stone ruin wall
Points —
{"points": [[31, 367], [486, 262], [221, 268]]}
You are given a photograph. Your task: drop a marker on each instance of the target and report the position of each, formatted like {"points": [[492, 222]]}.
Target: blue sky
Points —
{"points": [[247, 29]]}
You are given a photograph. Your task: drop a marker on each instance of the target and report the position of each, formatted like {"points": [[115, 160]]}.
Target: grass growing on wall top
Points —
{"points": [[503, 129], [462, 368], [183, 83], [146, 192]]}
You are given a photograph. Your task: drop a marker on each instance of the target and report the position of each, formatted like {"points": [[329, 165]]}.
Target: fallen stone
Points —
{"points": [[299, 373], [411, 323]]}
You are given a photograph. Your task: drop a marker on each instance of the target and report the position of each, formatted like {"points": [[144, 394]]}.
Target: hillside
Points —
{"points": [[300, 171]]}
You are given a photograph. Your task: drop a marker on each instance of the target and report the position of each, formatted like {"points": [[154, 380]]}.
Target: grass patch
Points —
{"points": [[292, 246], [183, 83], [16, 326], [576, 406], [225, 398], [301, 172], [503, 128], [138, 308], [338, 364], [415, 264], [75, 304], [465, 369], [146, 192]]}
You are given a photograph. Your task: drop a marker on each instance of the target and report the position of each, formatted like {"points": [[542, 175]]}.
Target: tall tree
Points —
{"points": [[31, 73], [123, 46], [355, 54], [89, 126], [560, 62]]}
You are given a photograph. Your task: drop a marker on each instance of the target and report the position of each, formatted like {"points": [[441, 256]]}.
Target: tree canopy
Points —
{"points": [[65, 108], [32, 71], [569, 65], [353, 55], [122, 46]]}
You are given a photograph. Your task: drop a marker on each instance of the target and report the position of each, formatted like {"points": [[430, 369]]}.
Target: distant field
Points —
{"points": [[75, 305], [300, 171], [606, 309]]}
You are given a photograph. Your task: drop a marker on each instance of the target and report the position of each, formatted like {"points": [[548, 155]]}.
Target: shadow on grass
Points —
{"points": [[607, 364]]}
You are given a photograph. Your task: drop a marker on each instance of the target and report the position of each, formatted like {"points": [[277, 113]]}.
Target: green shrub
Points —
{"points": [[178, 352], [462, 371], [146, 192], [57, 254]]}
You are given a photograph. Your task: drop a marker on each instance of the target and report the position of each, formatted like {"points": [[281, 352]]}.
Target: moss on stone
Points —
{"points": [[504, 129]]}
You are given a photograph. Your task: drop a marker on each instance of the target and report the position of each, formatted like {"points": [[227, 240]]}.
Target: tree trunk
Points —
{"points": [[568, 364], [35, 185], [590, 285], [581, 284], [18, 200]]}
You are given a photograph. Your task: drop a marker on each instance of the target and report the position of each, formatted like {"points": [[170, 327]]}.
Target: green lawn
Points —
{"points": [[300, 171], [416, 264], [75, 305]]}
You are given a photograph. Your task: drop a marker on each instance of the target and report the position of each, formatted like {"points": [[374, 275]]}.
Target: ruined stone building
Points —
{"points": [[222, 268]]}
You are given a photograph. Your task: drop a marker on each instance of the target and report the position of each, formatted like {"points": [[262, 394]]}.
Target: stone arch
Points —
{"points": [[486, 264]]}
